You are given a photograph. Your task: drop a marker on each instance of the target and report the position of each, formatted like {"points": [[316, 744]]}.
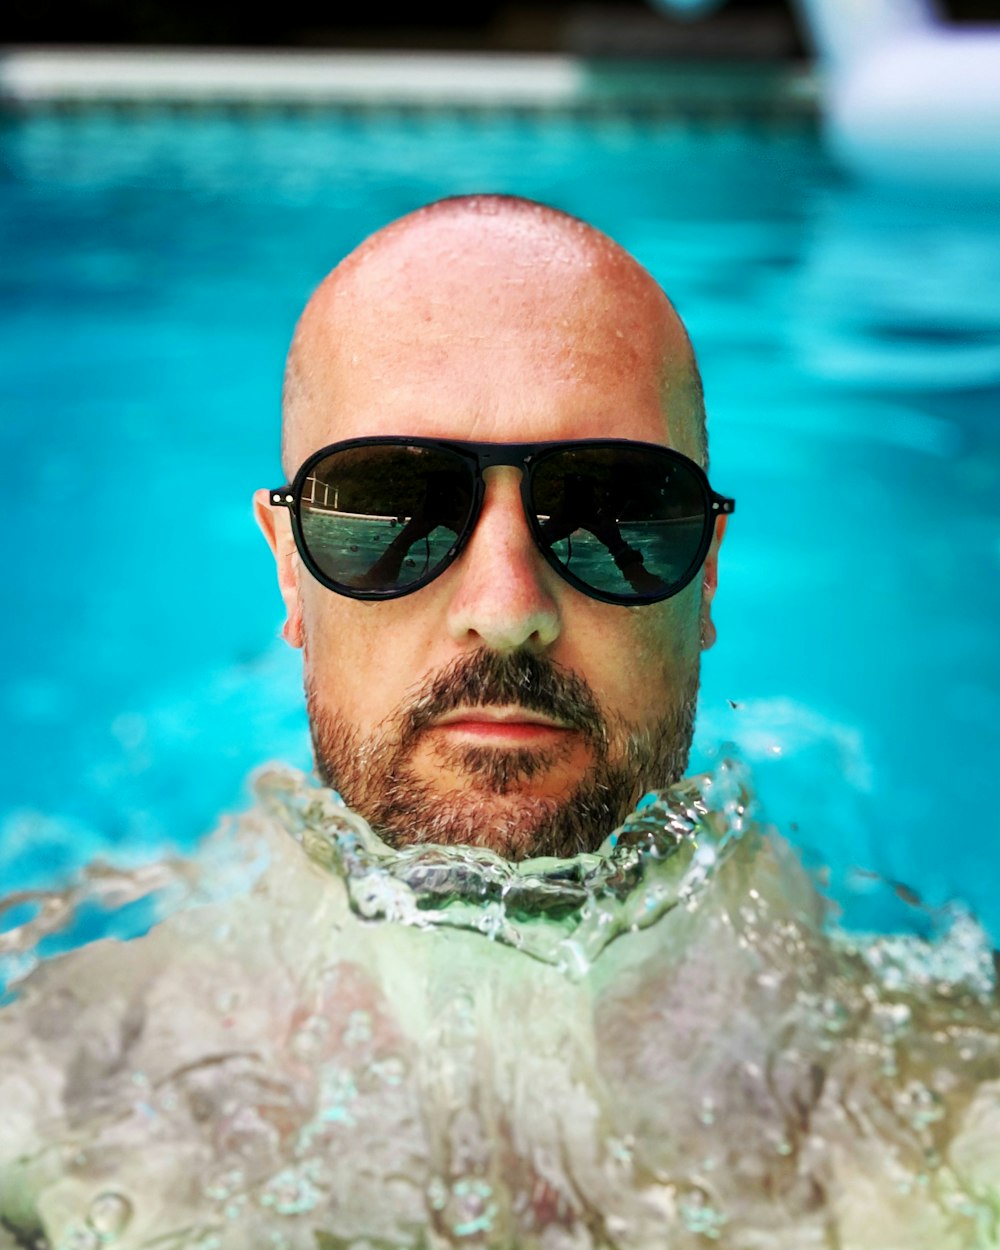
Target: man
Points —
{"points": [[502, 704], [498, 552]]}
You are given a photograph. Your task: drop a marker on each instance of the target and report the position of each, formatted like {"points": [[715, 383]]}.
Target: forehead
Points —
{"points": [[500, 330]]}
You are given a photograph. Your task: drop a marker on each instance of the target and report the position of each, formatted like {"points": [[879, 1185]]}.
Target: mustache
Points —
{"points": [[491, 679]]}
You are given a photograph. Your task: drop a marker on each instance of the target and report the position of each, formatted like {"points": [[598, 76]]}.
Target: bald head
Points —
{"points": [[482, 289]]}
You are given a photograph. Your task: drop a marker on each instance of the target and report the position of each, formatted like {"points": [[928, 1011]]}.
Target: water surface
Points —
{"points": [[329, 1043]]}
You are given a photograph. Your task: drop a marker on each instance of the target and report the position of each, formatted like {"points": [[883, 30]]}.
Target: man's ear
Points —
{"points": [[709, 583], [278, 532]]}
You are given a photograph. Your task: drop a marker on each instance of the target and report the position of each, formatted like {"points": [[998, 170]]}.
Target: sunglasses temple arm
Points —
{"points": [[282, 497], [721, 505]]}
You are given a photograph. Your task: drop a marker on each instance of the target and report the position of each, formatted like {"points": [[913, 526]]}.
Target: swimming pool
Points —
{"points": [[850, 343]]}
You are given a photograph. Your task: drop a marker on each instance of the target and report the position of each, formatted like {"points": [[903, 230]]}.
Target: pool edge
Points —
{"points": [[35, 77]]}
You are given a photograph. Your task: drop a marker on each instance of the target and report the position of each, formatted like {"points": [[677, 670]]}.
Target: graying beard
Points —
{"points": [[374, 777], [404, 811], [498, 770]]}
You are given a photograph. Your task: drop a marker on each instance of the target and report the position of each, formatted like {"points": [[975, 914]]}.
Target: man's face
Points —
{"points": [[497, 706]]}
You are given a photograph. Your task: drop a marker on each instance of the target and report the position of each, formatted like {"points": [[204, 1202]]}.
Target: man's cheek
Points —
{"points": [[333, 647], [670, 632]]}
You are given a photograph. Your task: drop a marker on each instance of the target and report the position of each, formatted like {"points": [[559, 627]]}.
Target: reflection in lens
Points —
{"points": [[384, 517], [624, 521]]}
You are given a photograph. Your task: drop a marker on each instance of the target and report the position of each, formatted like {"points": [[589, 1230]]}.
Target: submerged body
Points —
{"points": [[660, 1044]]}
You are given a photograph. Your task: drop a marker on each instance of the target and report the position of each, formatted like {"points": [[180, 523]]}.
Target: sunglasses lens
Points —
{"points": [[626, 522], [382, 518]]}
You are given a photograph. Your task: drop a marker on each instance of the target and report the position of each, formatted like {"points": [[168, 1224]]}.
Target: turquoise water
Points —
{"points": [[850, 343]]}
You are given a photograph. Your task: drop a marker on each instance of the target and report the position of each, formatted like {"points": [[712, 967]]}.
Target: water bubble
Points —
{"points": [[892, 1018], [698, 1215], [110, 1215], [471, 1207], [835, 1016], [291, 1192], [224, 1186], [308, 1041], [437, 1194], [337, 1089], [920, 1105], [358, 1030], [80, 1237], [391, 1070]]}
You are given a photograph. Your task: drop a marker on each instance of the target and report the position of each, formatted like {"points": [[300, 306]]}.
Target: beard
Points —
{"points": [[495, 808]]}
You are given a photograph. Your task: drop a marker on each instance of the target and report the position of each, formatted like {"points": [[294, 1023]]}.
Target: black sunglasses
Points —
{"points": [[623, 522]]}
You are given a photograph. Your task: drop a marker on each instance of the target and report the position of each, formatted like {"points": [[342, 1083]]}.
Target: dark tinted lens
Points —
{"points": [[384, 517], [626, 521]]}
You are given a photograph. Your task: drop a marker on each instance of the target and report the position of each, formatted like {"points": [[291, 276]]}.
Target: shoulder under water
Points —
{"points": [[326, 1043]]}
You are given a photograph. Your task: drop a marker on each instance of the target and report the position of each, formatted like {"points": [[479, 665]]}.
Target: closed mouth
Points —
{"points": [[506, 721]]}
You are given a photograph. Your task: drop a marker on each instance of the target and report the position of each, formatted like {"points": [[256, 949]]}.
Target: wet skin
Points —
{"points": [[504, 326]]}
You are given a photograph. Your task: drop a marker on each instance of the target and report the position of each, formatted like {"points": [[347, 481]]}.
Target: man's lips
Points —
{"points": [[498, 723]]}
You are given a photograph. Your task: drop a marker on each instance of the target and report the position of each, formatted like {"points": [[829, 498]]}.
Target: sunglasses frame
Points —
{"points": [[480, 457]]}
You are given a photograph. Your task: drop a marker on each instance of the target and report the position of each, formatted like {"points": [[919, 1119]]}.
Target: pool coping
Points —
{"points": [[32, 77]]}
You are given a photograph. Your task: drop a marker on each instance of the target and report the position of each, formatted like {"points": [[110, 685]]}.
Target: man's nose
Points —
{"points": [[503, 589]]}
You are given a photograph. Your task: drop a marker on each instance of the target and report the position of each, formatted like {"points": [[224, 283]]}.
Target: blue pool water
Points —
{"points": [[850, 343]]}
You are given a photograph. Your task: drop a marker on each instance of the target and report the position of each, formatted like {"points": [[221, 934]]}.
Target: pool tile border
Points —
{"points": [[49, 78]]}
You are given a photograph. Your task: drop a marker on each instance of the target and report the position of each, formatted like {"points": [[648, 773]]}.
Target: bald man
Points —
{"points": [[497, 548], [495, 669]]}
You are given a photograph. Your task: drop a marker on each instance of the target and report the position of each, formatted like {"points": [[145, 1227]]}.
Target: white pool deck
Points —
{"points": [[36, 76]]}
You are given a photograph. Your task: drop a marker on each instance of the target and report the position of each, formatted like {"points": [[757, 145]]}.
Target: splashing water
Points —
{"points": [[329, 1044]]}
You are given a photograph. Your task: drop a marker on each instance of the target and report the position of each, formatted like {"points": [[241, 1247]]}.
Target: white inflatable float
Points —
{"points": [[906, 96]]}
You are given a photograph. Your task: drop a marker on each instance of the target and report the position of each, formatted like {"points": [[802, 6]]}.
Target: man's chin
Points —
{"points": [[516, 826], [516, 820], [517, 773]]}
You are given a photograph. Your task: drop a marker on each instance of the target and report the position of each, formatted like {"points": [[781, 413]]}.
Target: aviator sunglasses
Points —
{"points": [[624, 522]]}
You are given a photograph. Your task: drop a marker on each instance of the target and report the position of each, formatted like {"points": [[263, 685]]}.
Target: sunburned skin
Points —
{"points": [[275, 1070]]}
